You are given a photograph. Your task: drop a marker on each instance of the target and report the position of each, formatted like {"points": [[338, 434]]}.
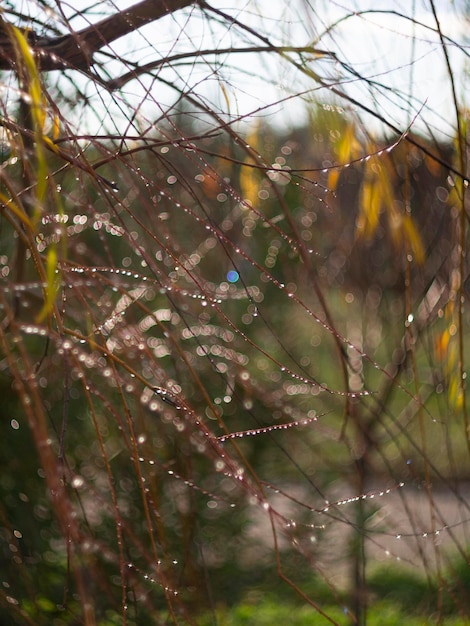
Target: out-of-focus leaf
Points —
{"points": [[333, 177], [211, 185], [446, 347], [52, 284], [249, 184], [369, 208], [414, 239], [55, 127], [348, 146], [347, 149], [16, 210], [442, 345], [455, 393], [456, 193], [38, 113]]}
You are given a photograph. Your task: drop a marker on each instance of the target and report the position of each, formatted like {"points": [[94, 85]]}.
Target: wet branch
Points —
{"points": [[77, 49]]}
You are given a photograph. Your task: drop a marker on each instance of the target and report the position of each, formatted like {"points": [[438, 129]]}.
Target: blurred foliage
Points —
{"points": [[96, 301], [232, 368]]}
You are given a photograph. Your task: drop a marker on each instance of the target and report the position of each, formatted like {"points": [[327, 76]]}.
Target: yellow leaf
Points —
{"points": [[34, 83], [16, 210], [347, 149], [455, 193], [413, 238], [346, 145], [442, 344], [52, 284], [249, 184], [51, 145], [55, 127], [37, 107], [455, 394], [333, 177], [369, 208]]}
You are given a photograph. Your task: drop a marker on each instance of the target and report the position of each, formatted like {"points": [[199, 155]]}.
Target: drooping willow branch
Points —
{"points": [[307, 71], [76, 50], [137, 70]]}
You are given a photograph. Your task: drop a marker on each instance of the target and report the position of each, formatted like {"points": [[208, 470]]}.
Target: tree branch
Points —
{"points": [[117, 83], [76, 49]]}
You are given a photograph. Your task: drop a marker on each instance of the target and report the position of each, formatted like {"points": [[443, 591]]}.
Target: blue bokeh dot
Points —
{"points": [[232, 276]]}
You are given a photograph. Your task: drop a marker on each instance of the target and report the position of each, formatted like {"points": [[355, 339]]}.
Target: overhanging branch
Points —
{"points": [[76, 49]]}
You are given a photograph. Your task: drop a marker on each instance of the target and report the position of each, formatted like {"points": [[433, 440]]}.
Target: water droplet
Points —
{"points": [[77, 482]]}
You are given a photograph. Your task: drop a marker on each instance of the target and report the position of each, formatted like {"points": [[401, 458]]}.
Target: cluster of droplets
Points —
{"points": [[152, 578], [430, 534], [320, 387], [267, 429], [168, 397], [188, 483], [365, 496], [135, 276]]}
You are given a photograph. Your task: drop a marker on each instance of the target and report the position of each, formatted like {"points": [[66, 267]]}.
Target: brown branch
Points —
{"points": [[137, 70], [76, 49]]}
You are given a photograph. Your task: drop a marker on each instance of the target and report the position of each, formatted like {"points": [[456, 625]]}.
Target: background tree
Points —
{"points": [[233, 351]]}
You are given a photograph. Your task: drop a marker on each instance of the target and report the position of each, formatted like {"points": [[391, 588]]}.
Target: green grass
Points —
{"points": [[268, 612]]}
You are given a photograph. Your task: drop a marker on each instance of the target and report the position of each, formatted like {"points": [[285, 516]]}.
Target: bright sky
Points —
{"points": [[405, 56]]}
